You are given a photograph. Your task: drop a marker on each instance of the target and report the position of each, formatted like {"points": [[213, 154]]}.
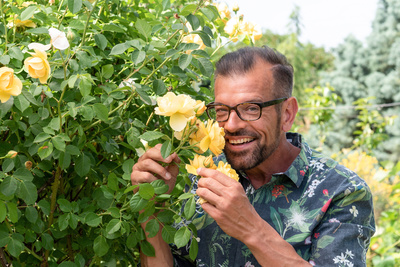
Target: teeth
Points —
{"points": [[240, 141]]}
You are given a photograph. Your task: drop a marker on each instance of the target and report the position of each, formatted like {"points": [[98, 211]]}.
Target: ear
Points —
{"points": [[289, 111]]}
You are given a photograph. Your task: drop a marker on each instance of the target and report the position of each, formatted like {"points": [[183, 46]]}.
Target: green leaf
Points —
{"points": [[194, 249], [132, 240], [21, 103], [113, 226], [27, 192], [182, 237], [168, 233], [63, 221], [101, 111], [101, 41], [8, 165], [147, 248], [64, 205], [276, 219], [107, 71], [119, 49], [112, 182], [28, 12], [41, 137], [85, 86], [12, 211], [16, 53], [165, 216], [194, 21], [100, 246], [58, 143], [206, 67], [159, 186], [73, 220], [324, 241], [184, 61], [185, 196], [4, 239], [113, 28], [138, 56], [8, 186], [171, 52], [92, 219], [72, 150], [159, 87], [82, 165], [15, 247], [152, 227], [45, 150], [44, 206], [47, 241], [5, 59], [31, 214], [3, 212], [146, 191], [144, 28], [144, 96], [74, 5], [151, 135], [190, 207], [69, 263], [166, 149], [137, 203], [188, 9], [298, 237], [208, 13]]}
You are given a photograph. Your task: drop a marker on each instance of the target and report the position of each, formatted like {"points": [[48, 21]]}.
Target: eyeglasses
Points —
{"points": [[247, 111]]}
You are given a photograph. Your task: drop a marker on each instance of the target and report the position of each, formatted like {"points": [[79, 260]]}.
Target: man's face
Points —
{"points": [[249, 143]]}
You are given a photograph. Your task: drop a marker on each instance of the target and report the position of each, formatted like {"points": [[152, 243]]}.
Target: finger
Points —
{"points": [[217, 175], [154, 153], [213, 185], [208, 195], [153, 167], [139, 177]]}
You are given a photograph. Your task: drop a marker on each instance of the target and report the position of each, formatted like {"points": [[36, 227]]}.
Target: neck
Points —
{"points": [[278, 162]]}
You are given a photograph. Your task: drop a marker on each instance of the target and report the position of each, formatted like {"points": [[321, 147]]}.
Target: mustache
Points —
{"points": [[241, 132]]}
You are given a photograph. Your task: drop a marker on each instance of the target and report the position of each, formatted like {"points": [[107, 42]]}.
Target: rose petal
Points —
{"points": [[39, 46], [177, 122]]}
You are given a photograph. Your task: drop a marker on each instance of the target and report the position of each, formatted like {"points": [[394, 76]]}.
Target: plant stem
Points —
{"points": [[59, 106], [53, 203], [87, 24], [34, 254]]}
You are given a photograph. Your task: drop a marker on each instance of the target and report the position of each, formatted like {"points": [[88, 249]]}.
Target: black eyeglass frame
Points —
{"points": [[261, 105]]}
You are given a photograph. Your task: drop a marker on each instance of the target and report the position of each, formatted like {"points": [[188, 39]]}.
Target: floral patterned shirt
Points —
{"points": [[321, 208]]}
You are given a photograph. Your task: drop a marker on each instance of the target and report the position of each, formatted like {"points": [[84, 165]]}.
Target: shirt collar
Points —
{"points": [[299, 167]]}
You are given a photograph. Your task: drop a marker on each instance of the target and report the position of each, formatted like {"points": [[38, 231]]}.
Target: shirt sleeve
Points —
{"points": [[343, 236]]}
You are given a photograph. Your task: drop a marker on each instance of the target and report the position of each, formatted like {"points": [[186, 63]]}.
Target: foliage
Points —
{"points": [[370, 70], [78, 126]]}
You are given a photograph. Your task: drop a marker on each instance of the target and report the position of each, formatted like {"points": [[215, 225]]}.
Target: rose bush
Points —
{"points": [[72, 128]]}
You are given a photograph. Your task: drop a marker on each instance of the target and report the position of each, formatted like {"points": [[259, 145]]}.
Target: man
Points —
{"points": [[291, 206]]}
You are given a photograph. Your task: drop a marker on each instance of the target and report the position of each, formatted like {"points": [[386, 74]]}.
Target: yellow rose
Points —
{"points": [[9, 84], [252, 30], [38, 66], [194, 38], [233, 28], [235, 7], [226, 169], [179, 108], [208, 137], [223, 10], [200, 162], [22, 23], [200, 107]]}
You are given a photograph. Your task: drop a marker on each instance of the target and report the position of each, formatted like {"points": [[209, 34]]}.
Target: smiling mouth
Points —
{"points": [[240, 141]]}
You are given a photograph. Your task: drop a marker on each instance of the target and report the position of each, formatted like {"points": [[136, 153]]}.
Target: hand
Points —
{"points": [[149, 168], [227, 204]]}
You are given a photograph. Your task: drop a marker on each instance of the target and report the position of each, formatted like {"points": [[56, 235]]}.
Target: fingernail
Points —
{"points": [[199, 170], [168, 176]]}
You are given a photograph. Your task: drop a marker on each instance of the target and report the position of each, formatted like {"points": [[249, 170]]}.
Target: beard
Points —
{"points": [[246, 160]]}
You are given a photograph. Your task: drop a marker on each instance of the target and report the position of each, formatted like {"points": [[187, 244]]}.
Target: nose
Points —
{"points": [[233, 123]]}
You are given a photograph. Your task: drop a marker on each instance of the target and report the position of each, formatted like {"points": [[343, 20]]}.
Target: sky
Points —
{"points": [[325, 22]]}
